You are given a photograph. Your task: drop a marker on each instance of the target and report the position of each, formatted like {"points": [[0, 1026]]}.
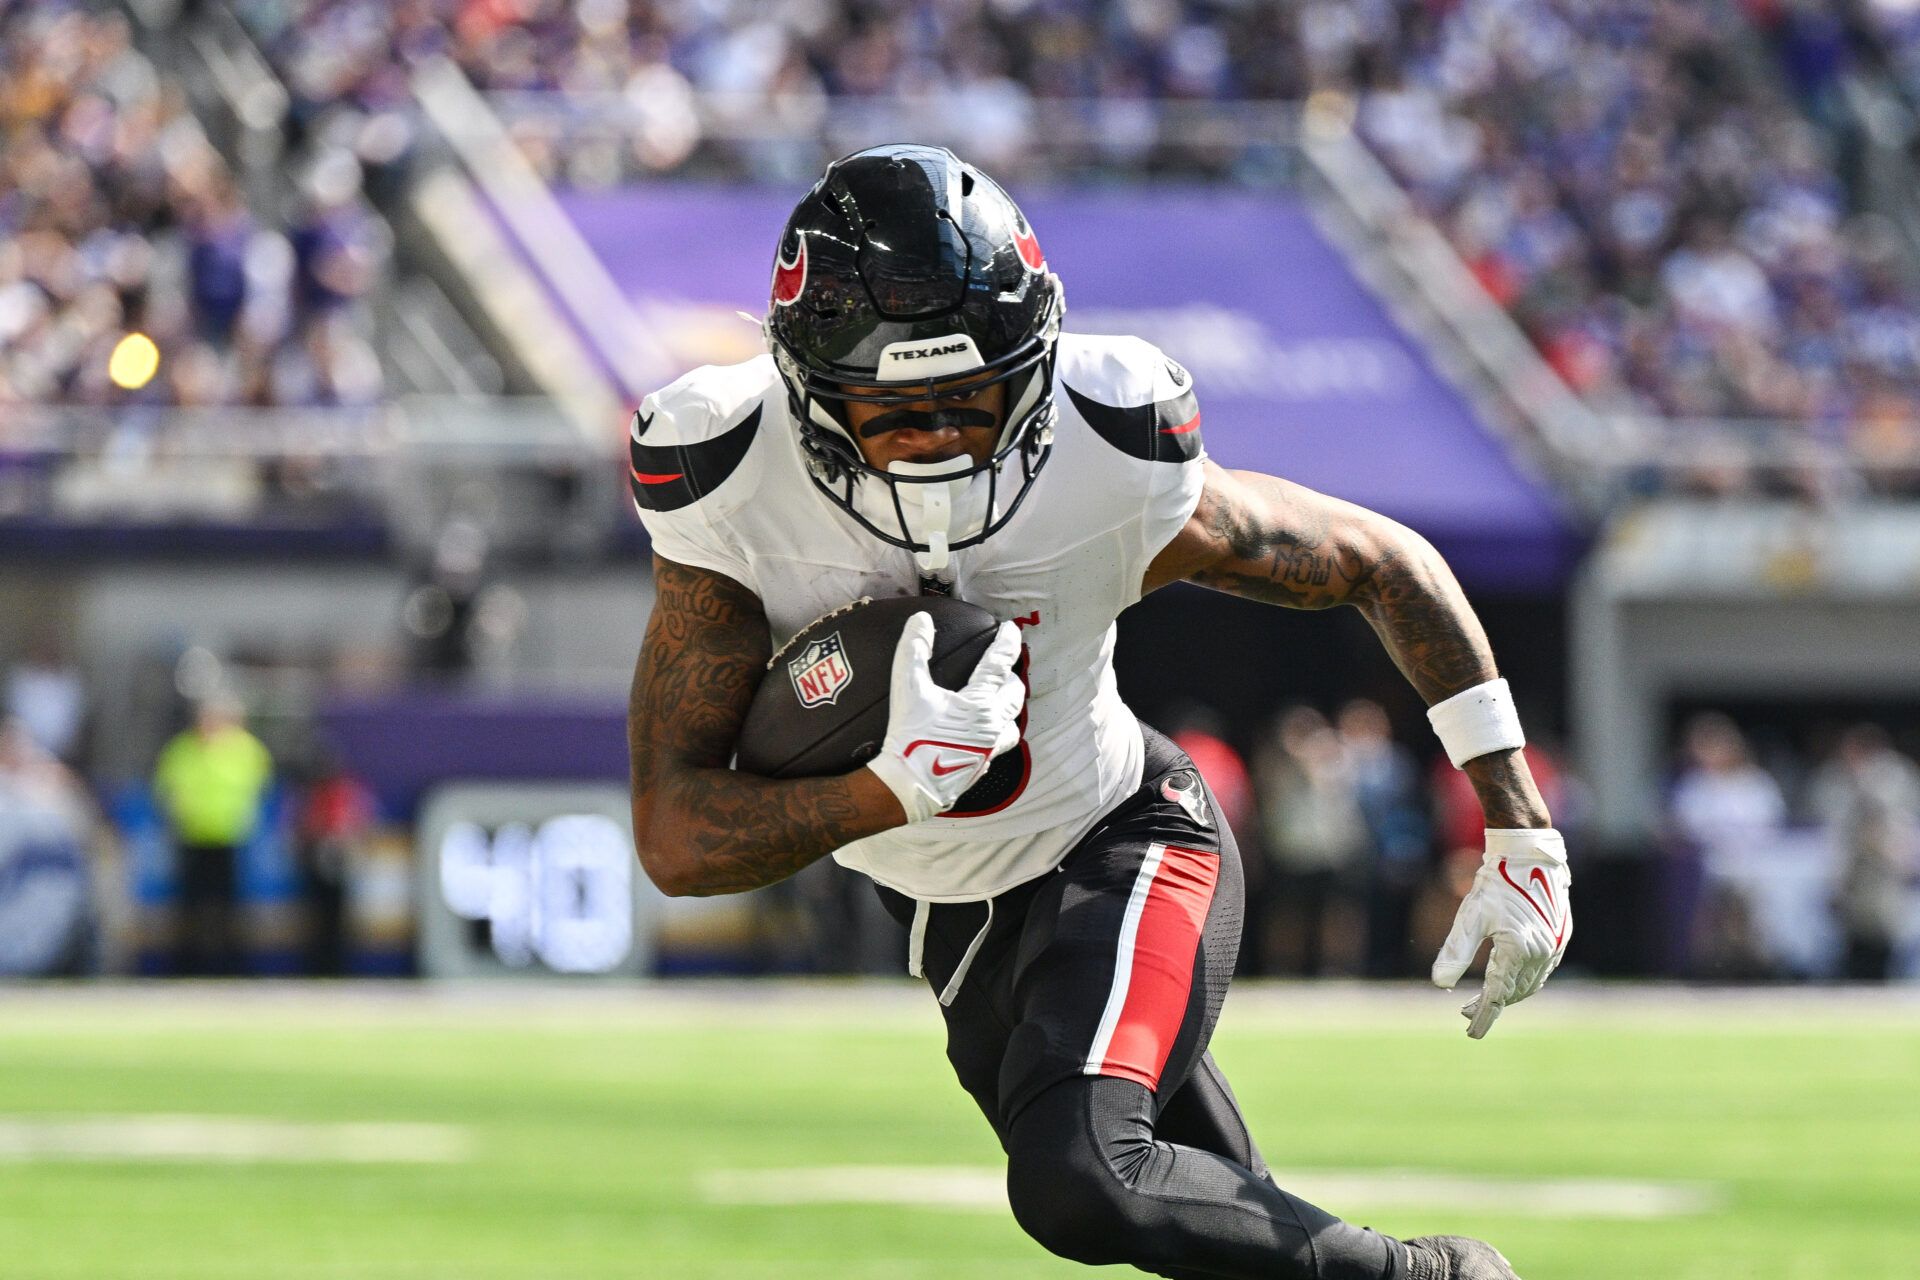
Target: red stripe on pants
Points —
{"points": [[1164, 949]]}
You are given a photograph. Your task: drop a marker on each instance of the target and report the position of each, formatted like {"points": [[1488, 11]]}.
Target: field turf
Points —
{"points": [[587, 1128]]}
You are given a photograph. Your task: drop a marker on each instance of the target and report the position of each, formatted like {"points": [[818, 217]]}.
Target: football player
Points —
{"points": [[920, 424]]}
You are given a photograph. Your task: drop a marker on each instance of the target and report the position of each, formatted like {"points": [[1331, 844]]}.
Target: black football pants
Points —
{"points": [[1081, 1030]]}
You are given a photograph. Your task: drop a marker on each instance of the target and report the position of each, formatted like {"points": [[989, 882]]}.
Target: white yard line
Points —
{"points": [[881, 1004], [226, 1140], [984, 1190]]}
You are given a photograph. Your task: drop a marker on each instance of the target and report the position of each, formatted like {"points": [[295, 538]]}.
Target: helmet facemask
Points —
{"points": [[930, 508]]}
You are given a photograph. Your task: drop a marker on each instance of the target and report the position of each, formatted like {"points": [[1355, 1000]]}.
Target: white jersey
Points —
{"points": [[722, 484]]}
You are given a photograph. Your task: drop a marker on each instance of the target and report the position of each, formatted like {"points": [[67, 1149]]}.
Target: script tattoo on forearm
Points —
{"points": [[1290, 547], [1281, 552], [705, 651]]}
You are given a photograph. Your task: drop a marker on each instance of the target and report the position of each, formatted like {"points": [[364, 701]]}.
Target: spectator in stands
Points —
{"points": [[1387, 784], [46, 696], [219, 232], [1317, 845], [118, 216], [1723, 805], [441, 611], [1723, 802], [335, 248], [30, 770], [337, 815], [211, 782], [47, 896], [1868, 795]]}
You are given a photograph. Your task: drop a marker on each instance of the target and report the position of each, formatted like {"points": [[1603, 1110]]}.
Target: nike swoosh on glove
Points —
{"points": [[939, 741], [1520, 900]]}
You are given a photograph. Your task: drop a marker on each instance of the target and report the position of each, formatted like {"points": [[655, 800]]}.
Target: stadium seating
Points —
{"points": [[118, 215], [1659, 215]]}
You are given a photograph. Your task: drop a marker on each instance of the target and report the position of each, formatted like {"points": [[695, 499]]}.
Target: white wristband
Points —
{"points": [[1477, 721]]}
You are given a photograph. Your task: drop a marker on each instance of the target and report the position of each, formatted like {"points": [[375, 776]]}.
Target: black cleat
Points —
{"points": [[1455, 1258]]}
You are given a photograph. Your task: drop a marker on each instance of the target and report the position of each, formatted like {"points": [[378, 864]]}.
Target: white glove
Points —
{"points": [[1520, 900], [939, 741]]}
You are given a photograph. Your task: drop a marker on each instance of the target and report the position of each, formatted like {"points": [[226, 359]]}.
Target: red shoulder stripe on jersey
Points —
{"points": [[666, 477], [1165, 431]]}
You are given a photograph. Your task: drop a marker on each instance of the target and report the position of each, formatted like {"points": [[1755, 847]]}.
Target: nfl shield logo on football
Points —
{"points": [[821, 672]]}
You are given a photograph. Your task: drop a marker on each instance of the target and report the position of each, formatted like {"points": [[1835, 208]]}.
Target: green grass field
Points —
{"points": [[596, 1134]]}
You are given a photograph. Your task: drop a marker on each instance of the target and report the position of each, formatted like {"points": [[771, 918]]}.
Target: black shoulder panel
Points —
{"points": [[1165, 431], [668, 477]]}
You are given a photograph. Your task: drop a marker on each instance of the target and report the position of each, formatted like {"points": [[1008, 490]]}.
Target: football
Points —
{"points": [[822, 706]]}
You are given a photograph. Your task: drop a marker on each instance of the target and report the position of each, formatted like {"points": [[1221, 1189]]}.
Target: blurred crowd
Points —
{"points": [[1655, 208], [1664, 210], [1356, 855], [1795, 859], [712, 82], [1807, 865], [225, 859], [1660, 215], [119, 218]]}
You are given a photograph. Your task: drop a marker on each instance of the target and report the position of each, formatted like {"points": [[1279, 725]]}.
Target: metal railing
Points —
{"points": [[1820, 461], [402, 465], [787, 136]]}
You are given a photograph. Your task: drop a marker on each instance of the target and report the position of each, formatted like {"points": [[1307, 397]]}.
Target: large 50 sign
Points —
{"points": [[559, 892]]}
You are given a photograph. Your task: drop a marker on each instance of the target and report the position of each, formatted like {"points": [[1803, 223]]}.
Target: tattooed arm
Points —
{"points": [[700, 827], [1268, 539]]}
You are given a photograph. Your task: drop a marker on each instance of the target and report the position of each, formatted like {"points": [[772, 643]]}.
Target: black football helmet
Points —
{"points": [[903, 269]]}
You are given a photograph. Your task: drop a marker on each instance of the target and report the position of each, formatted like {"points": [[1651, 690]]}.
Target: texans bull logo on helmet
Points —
{"points": [[821, 672], [790, 274]]}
